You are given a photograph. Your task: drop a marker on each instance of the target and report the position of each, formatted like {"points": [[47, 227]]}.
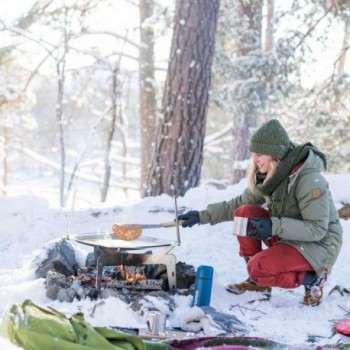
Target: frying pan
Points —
{"points": [[109, 240]]}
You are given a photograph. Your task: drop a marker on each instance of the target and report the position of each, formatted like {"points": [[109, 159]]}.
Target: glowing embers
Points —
{"points": [[135, 278], [122, 276]]}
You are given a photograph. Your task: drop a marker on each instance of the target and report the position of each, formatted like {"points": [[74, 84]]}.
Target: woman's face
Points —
{"points": [[262, 161]]}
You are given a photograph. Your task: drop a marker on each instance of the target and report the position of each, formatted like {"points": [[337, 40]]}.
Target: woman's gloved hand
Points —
{"points": [[259, 228], [191, 218]]}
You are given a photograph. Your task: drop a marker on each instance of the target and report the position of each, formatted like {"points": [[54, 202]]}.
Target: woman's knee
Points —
{"points": [[259, 268]]}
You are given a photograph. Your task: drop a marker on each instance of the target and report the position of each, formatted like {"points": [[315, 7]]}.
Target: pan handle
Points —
{"points": [[172, 223]]}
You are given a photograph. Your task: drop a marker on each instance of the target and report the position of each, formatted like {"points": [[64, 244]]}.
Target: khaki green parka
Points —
{"points": [[310, 222]]}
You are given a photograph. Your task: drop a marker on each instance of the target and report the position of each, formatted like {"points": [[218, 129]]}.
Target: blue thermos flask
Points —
{"points": [[202, 286]]}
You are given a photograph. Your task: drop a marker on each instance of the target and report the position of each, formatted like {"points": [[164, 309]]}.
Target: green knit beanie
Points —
{"points": [[270, 139]]}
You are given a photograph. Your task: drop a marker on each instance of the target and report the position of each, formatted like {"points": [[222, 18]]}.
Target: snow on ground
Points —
{"points": [[31, 224]]}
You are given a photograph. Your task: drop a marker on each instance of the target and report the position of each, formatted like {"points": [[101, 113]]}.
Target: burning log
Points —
{"points": [[143, 284]]}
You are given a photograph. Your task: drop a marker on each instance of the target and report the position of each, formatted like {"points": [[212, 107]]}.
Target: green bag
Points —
{"points": [[36, 328]]}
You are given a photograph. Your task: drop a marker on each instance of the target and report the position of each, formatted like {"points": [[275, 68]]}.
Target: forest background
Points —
{"points": [[117, 100]]}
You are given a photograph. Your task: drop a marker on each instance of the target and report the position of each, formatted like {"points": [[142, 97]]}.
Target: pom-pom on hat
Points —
{"points": [[270, 139]]}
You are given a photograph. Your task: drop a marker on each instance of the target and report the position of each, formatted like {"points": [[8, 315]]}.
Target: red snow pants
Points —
{"points": [[278, 265]]}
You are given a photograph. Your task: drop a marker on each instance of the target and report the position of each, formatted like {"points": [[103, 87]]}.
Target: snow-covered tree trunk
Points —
{"points": [[147, 90], [248, 99], [269, 37], [179, 150], [60, 66], [109, 138]]}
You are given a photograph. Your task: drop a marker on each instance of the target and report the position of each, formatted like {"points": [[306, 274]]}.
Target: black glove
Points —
{"points": [[191, 218], [259, 228]]}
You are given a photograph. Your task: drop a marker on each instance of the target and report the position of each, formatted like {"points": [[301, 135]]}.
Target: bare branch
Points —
{"points": [[113, 34], [311, 29], [218, 135]]}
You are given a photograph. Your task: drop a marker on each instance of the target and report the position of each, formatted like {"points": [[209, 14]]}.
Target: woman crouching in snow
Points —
{"points": [[288, 206]]}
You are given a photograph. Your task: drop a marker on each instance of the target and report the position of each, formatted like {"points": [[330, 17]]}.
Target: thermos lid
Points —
{"points": [[205, 272]]}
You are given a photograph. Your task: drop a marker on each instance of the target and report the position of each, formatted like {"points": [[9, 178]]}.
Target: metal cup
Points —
{"points": [[156, 323], [240, 225]]}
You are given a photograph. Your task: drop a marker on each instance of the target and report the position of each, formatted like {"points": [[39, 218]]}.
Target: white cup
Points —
{"points": [[156, 323], [240, 225]]}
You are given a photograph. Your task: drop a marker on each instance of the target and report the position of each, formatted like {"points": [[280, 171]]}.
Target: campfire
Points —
{"points": [[144, 252], [120, 273], [122, 277], [140, 264], [129, 276]]}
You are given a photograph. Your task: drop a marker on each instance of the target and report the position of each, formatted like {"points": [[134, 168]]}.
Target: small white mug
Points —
{"points": [[240, 225], [156, 323]]}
